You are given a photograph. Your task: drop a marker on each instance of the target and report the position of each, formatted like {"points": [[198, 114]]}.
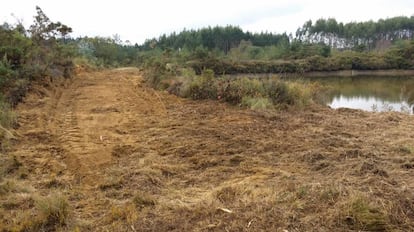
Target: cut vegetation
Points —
{"points": [[179, 146], [161, 163]]}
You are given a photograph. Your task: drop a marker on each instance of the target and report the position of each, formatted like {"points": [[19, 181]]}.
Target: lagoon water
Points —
{"points": [[370, 93]]}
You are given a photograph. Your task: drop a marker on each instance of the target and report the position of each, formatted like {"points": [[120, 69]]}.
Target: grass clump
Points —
{"points": [[10, 164], [227, 195], [111, 183], [362, 214], [54, 209], [7, 187], [127, 213], [13, 186], [142, 200], [52, 213], [8, 119], [405, 150]]}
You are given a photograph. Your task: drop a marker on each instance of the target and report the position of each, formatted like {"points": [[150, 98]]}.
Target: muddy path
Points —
{"points": [[133, 159]]}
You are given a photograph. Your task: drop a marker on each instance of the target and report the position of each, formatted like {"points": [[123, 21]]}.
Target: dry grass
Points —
{"points": [[30, 211], [142, 200], [184, 165], [34, 213], [53, 210]]}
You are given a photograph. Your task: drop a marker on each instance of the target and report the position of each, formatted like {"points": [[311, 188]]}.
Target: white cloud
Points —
{"points": [[140, 20]]}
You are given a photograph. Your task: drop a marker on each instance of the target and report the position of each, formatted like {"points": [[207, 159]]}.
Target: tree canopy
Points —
{"points": [[356, 34], [220, 38]]}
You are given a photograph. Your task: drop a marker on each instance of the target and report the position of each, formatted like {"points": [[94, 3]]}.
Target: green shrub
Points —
{"points": [[203, 87], [300, 94], [362, 214], [6, 73], [278, 92], [155, 73]]}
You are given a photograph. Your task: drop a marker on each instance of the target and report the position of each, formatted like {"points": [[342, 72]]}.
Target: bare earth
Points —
{"points": [[129, 158]]}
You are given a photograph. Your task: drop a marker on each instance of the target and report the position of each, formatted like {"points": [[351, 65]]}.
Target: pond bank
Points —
{"points": [[348, 73]]}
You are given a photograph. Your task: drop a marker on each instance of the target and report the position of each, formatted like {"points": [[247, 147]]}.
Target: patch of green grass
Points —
{"points": [[302, 192], [405, 149], [363, 215], [256, 103]]}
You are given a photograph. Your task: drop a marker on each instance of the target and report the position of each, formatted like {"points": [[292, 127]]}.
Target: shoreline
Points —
{"points": [[340, 73], [358, 73]]}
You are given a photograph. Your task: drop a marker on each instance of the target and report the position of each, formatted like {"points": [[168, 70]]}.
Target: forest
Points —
{"points": [[325, 45]]}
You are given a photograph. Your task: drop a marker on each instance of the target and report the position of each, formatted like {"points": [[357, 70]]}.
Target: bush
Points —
{"points": [[233, 90], [155, 73], [254, 93], [299, 94], [278, 92], [6, 74], [203, 87]]}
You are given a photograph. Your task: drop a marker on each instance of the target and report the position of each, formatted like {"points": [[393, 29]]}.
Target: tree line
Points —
{"points": [[220, 38], [45, 46], [359, 35]]}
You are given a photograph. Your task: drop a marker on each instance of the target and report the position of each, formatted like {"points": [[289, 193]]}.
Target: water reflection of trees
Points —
{"points": [[391, 89], [407, 94]]}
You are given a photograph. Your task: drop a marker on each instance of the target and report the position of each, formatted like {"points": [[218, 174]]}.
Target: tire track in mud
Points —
{"points": [[96, 114], [69, 135]]}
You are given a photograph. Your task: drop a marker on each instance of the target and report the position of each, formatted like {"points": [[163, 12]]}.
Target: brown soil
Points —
{"points": [[129, 158]]}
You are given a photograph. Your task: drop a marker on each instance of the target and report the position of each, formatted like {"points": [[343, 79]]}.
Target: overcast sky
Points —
{"points": [[144, 19]]}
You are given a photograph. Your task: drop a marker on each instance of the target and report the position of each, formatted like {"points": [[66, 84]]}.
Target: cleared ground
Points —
{"points": [[129, 158]]}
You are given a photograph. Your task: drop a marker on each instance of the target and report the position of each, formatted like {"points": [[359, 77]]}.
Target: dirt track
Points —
{"points": [[132, 159]]}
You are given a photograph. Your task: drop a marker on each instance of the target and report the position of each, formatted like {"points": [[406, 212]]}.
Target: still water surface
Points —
{"points": [[370, 93]]}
